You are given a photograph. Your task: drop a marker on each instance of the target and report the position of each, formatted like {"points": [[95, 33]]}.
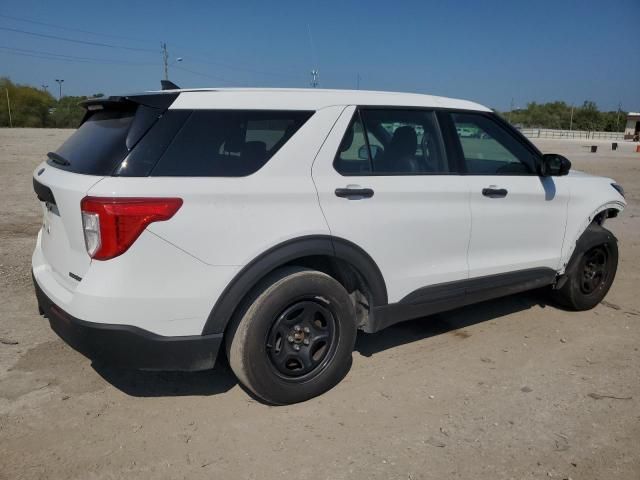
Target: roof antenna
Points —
{"points": [[314, 60], [314, 79]]}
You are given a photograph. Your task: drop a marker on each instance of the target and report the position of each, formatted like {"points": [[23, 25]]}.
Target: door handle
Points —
{"points": [[354, 193], [494, 192]]}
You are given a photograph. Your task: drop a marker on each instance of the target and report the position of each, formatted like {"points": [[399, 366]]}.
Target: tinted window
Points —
{"points": [[228, 143], [489, 149], [392, 142], [99, 145], [353, 154], [150, 148]]}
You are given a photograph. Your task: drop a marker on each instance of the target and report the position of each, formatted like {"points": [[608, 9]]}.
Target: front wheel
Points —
{"points": [[294, 336], [589, 282]]}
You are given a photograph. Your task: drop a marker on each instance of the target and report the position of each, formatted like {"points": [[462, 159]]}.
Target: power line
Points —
{"points": [[71, 29], [45, 57], [71, 60], [72, 57], [240, 68], [195, 55], [213, 77], [72, 40]]}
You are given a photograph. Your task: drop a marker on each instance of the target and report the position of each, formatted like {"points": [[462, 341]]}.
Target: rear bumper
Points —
{"points": [[129, 346]]}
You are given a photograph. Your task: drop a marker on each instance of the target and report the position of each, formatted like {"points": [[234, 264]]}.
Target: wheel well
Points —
{"points": [[344, 261], [340, 270], [604, 214], [347, 275]]}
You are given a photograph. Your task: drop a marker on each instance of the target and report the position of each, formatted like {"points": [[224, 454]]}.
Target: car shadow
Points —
{"points": [[138, 383], [221, 379], [368, 344]]}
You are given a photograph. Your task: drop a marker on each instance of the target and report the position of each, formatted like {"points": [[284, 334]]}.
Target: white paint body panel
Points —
{"points": [[232, 220], [420, 230], [590, 195], [416, 228], [523, 230], [153, 285], [62, 240]]}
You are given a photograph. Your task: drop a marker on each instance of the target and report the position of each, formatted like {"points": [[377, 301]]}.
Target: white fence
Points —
{"points": [[549, 133]]}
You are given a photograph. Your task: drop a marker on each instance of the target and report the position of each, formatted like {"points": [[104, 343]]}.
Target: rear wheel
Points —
{"points": [[293, 338], [592, 278]]}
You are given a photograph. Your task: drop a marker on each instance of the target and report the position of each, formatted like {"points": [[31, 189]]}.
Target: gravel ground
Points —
{"points": [[512, 388]]}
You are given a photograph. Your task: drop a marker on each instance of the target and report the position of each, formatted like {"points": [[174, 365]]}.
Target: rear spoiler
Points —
{"points": [[159, 101]]}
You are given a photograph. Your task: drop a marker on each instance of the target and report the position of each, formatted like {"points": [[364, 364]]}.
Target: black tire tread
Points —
{"points": [[570, 296], [240, 334]]}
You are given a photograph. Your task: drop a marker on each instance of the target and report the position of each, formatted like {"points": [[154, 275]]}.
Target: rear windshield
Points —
{"points": [[228, 143], [98, 146]]}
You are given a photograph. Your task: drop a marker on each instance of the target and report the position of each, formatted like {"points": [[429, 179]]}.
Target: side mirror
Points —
{"points": [[554, 165]]}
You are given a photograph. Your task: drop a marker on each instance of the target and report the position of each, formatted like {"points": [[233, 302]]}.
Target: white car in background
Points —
{"points": [[273, 224]]}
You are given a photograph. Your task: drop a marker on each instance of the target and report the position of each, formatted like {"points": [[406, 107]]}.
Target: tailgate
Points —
{"points": [[62, 237], [110, 130]]}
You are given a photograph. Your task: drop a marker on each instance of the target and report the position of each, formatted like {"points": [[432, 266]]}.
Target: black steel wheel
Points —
{"points": [[302, 339], [594, 269], [293, 337], [591, 277]]}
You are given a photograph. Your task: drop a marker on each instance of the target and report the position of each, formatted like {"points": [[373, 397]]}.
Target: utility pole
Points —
{"points": [[59, 82], [510, 109], [45, 88], [165, 60], [314, 78], [9, 108], [618, 117], [571, 121]]}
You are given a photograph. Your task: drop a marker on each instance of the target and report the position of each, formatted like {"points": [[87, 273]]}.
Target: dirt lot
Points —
{"points": [[511, 388]]}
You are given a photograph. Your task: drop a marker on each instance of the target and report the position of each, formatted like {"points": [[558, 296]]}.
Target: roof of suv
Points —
{"points": [[308, 99]]}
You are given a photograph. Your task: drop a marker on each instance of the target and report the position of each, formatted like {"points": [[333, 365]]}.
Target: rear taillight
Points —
{"points": [[111, 225]]}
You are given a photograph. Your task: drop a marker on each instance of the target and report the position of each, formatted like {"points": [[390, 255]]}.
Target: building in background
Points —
{"points": [[632, 129]]}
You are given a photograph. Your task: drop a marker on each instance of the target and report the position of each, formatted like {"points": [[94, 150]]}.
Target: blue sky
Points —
{"points": [[487, 51]]}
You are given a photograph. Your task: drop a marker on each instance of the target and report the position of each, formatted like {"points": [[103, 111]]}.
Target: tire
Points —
{"points": [[589, 282], [293, 337]]}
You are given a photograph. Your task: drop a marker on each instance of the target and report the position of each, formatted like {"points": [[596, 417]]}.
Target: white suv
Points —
{"points": [[279, 222]]}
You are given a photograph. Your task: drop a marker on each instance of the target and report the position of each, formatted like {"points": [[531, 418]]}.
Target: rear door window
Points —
{"points": [[392, 142], [228, 143], [405, 142]]}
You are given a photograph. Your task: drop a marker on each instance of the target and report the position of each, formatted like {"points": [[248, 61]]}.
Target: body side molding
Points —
{"points": [[283, 253], [448, 296]]}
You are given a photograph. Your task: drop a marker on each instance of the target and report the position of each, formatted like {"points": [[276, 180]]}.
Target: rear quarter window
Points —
{"points": [[228, 143]]}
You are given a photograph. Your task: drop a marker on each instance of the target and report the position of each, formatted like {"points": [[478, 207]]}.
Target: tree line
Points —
{"points": [[561, 116], [33, 107]]}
